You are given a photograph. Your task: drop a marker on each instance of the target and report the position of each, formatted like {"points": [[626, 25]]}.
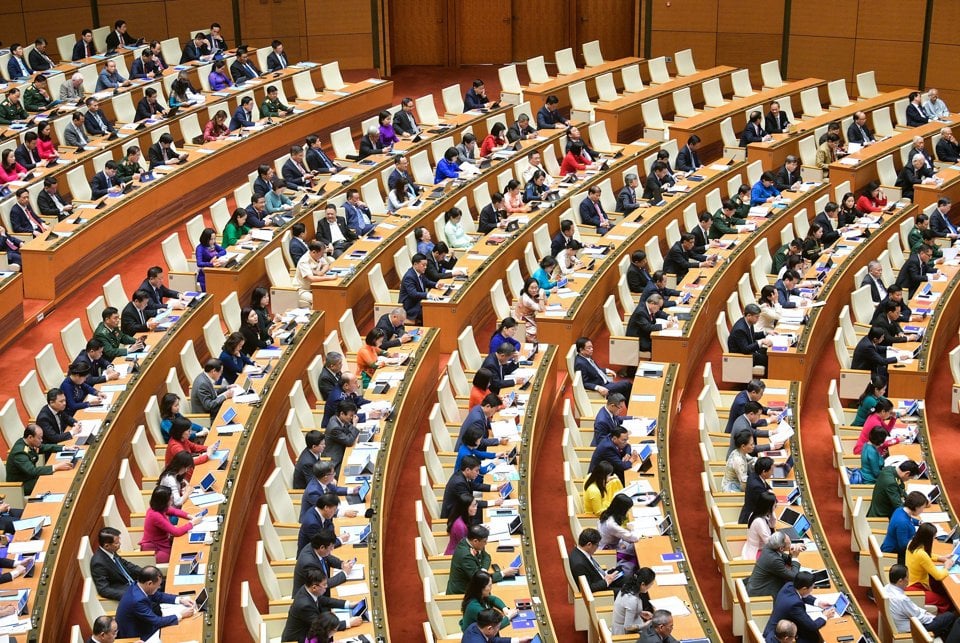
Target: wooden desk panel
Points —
{"points": [[11, 308], [83, 507]]}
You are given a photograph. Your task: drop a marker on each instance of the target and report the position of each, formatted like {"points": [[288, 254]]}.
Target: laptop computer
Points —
{"points": [[189, 564], [798, 524], [354, 470], [360, 609], [782, 470], [820, 578], [361, 495]]}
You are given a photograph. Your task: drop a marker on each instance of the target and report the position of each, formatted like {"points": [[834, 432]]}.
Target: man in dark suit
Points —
{"points": [[591, 211], [144, 67], [642, 322], [162, 152], [559, 240], [316, 159], [84, 48], [330, 374], [401, 170], [149, 106], [440, 265], [243, 116], [776, 121], [95, 121], [358, 215], [687, 159], [786, 287], [341, 433], [609, 417], [790, 605], [54, 420], [215, 39], [318, 555], [276, 59], [582, 563], [157, 292], [298, 246], [243, 68], [112, 574], [915, 270], [948, 150], [752, 393], [414, 288], [394, 333], [521, 130], [788, 177], [135, 317], [638, 273], [370, 143], [494, 215], [105, 181], [775, 567], [50, 202], [196, 50], [868, 356], [99, 369], [264, 181], [873, 278], [478, 419], [404, 121], [303, 470], [919, 147], [308, 603], [320, 518], [656, 180], [657, 284], [701, 233], [549, 116], [257, 215], [595, 377], [500, 363], [745, 341], [915, 113], [23, 218], [681, 257], [26, 153], [889, 322], [333, 231], [858, 132], [295, 175], [627, 196], [120, 38], [463, 483], [753, 132], [913, 173], [615, 449], [940, 220], [205, 393], [138, 614]]}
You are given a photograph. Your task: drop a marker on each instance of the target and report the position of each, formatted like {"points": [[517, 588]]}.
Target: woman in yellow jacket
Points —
{"points": [[923, 573], [599, 488]]}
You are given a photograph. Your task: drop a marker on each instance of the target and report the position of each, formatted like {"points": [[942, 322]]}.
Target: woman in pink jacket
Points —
{"points": [[158, 532]]}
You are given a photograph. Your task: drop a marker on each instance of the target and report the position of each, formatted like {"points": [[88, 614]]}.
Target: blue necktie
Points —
{"points": [[116, 560]]}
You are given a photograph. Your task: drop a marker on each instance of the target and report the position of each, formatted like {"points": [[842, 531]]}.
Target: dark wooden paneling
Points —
{"points": [[418, 32], [704, 45], [946, 17], [688, 15], [748, 53], [539, 27], [892, 20], [816, 17], [942, 73], [40, 5], [144, 19], [484, 32], [747, 17], [808, 55], [343, 48], [345, 18], [283, 19], [894, 63], [51, 24], [185, 17], [612, 22]]}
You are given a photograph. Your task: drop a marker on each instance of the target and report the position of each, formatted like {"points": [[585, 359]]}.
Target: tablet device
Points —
{"points": [[507, 490], [228, 415], [208, 481], [201, 600], [360, 608], [517, 562], [842, 604]]}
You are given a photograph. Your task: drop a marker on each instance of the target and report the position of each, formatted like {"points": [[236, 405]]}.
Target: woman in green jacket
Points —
{"points": [[235, 227], [871, 462], [478, 597]]}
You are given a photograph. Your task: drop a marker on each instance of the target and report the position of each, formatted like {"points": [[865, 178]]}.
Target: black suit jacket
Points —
{"points": [[490, 218], [500, 377], [307, 559], [107, 576], [19, 220], [327, 380], [292, 175], [391, 333], [687, 160], [913, 274], [678, 261], [743, 339], [857, 134], [130, 320], [752, 133], [275, 62], [776, 124], [877, 292], [869, 357], [458, 486], [641, 324], [47, 420], [302, 612], [261, 186], [27, 158], [404, 123], [785, 179], [755, 487], [948, 152], [368, 147], [147, 110], [580, 565], [318, 161], [915, 116], [99, 184], [700, 240], [160, 156], [93, 127], [157, 295], [323, 231], [238, 71], [637, 279], [652, 189], [47, 206], [191, 52]]}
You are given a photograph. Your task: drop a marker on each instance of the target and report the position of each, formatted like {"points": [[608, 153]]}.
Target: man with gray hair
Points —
{"points": [[392, 326], [661, 625], [948, 150], [788, 177], [873, 278], [330, 374], [370, 143], [643, 321], [72, 91], [934, 108], [627, 196], [521, 130], [784, 631], [775, 566]]}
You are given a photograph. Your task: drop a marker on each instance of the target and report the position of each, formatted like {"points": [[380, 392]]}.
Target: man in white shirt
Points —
{"points": [[536, 163], [934, 108], [902, 608], [312, 268]]}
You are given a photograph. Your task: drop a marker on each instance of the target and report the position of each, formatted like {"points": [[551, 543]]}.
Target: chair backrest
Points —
{"points": [[143, 454], [837, 90], [882, 124], [867, 85], [498, 298], [592, 56], [612, 317], [886, 171], [801, 223], [342, 142], [330, 74], [606, 89], [77, 180], [683, 103], [810, 102], [420, 167], [32, 396], [654, 255], [683, 60], [230, 310], [213, 335], [770, 73], [723, 331], [469, 351], [632, 80], [741, 83], [378, 286], [658, 70], [509, 81], [278, 499], [745, 290], [514, 279], [565, 62], [427, 110], [277, 271], [652, 119], [808, 150], [537, 70], [712, 94], [452, 99]]}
